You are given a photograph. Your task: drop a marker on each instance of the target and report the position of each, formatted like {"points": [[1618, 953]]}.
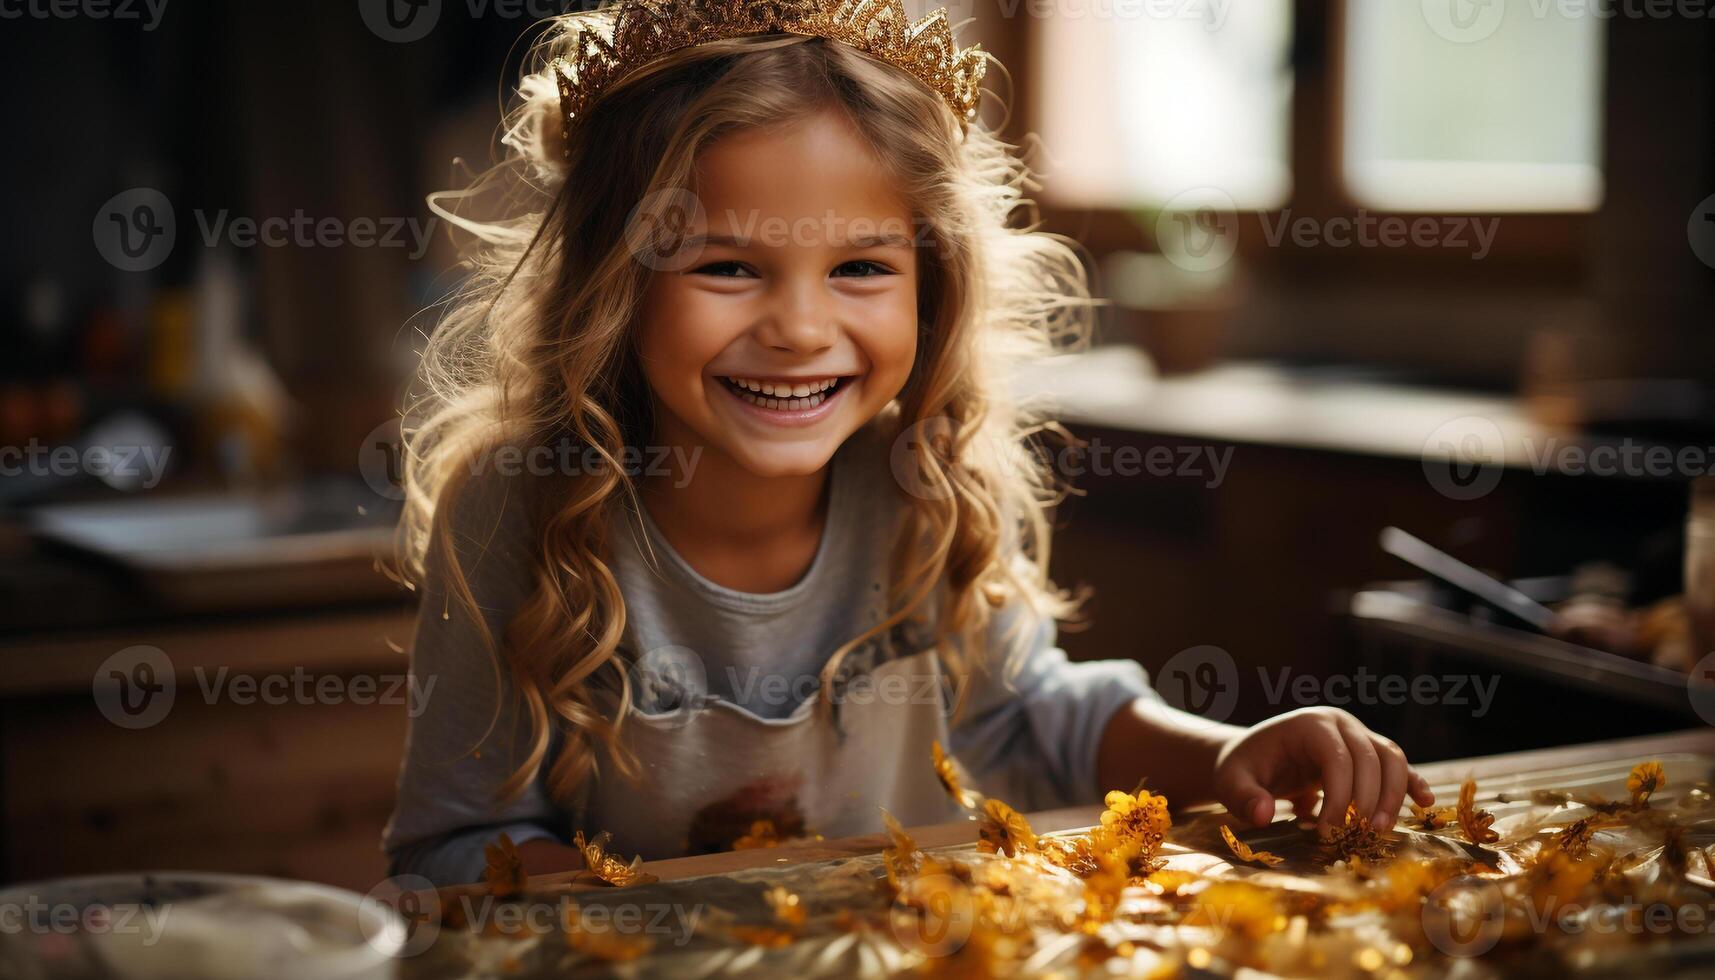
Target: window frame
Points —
{"points": [[1534, 248]]}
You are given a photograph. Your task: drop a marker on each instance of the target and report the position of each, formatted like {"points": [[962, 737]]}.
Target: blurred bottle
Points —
{"points": [[1700, 565]]}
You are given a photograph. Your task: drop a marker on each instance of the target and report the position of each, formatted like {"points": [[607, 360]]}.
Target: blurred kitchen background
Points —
{"points": [[1371, 264]]}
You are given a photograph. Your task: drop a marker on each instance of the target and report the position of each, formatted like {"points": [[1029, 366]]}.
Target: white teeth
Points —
{"points": [[795, 403], [784, 397], [802, 389]]}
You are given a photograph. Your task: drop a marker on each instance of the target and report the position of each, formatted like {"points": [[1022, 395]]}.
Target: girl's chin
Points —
{"points": [[774, 462]]}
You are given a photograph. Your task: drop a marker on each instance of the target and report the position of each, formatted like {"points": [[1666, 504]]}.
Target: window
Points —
{"points": [[1455, 105], [1142, 102]]}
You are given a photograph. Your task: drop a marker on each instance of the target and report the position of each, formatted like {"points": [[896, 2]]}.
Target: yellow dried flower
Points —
{"points": [[1237, 907], [952, 778], [505, 870], [1138, 824], [1433, 817], [1475, 822], [1243, 851], [1645, 779], [762, 834], [607, 867], [1005, 830], [901, 859]]}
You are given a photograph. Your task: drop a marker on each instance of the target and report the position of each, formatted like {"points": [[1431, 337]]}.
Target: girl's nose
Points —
{"points": [[800, 319]]}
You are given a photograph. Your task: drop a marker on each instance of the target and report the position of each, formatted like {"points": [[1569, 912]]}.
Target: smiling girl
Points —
{"points": [[843, 558]]}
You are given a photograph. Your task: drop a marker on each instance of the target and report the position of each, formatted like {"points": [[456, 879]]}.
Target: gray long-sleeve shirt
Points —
{"points": [[724, 685]]}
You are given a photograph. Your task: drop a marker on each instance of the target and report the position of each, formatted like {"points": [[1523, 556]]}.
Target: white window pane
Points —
{"points": [[1142, 100], [1460, 105]]}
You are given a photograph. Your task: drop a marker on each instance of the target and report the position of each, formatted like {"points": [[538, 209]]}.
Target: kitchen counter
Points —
{"points": [[1260, 403]]}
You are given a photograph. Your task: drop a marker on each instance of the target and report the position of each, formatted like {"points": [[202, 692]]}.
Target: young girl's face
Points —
{"points": [[791, 318]]}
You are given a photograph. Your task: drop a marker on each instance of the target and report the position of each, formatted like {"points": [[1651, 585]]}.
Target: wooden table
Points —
{"points": [[1443, 776]]}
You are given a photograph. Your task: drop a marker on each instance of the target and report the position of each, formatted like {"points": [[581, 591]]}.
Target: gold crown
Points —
{"points": [[618, 39]]}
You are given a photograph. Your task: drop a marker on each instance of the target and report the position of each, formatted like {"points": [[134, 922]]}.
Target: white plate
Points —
{"points": [[188, 925]]}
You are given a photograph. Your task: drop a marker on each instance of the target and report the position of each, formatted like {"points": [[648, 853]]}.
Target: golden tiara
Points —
{"points": [[621, 38]]}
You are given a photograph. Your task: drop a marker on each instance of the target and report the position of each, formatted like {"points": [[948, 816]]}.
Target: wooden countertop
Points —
{"points": [[1260, 403]]}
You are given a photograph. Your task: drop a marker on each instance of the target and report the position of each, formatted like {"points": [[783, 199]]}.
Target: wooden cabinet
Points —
{"points": [[278, 755]]}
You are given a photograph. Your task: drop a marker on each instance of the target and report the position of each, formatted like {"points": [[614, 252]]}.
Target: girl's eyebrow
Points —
{"points": [[879, 241], [741, 241]]}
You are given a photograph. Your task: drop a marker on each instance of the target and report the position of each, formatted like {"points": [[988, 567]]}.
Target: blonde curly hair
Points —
{"points": [[537, 347]]}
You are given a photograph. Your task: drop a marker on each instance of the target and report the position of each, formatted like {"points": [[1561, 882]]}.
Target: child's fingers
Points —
{"points": [[1366, 766], [1304, 804], [1327, 747], [1248, 800], [1395, 775], [1420, 790]]}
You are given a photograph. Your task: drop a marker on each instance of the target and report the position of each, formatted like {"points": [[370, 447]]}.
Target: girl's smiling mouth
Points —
{"points": [[787, 401]]}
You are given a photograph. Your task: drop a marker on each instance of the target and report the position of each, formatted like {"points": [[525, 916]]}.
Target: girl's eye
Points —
{"points": [[724, 270], [863, 269]]}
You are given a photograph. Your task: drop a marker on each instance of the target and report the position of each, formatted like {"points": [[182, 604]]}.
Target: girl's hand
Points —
{"points": [[1291, 755]]}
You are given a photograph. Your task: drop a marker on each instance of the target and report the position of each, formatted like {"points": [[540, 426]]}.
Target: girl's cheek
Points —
{"points": [[894, 342], [685, 328]]}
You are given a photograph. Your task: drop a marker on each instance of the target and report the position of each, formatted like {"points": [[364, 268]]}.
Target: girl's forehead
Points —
{"points": [[801, 169]]}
